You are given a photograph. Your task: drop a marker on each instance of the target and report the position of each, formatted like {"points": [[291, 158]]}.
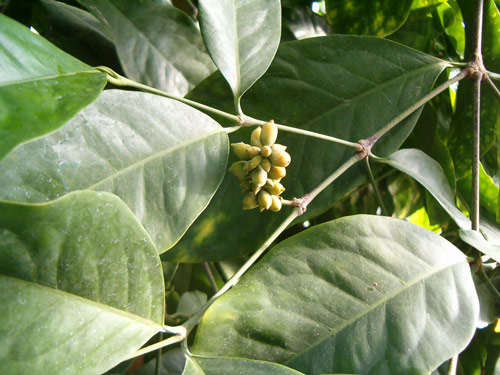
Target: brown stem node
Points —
{"points": [[300, 204]]}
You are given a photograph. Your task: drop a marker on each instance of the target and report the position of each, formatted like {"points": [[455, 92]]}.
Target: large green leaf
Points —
{"points": [[242, 37], [460, 141], [80, 282], [163, 158], [362, 294], [196, 365], [375, 17], [158, 45], [41, 87], [318, 84]]}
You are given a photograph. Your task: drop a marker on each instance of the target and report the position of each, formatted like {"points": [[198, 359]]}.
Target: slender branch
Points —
{"points": [[210, 276], [119, 80], [476, 146], [191, 322], [494, 76], [221, 271], [170, 341], [158, 357], [417, 105], [375, 188], [478, 30], [254, 122], [492, 86], [452, 366]]}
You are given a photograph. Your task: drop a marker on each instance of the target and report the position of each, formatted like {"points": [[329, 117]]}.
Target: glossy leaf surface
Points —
{"points": [[158, 44], [81, 285], [376, 17], [41, 87], [163, 158], [322, 85], [361, 294], [197, 365], [242, 37]]}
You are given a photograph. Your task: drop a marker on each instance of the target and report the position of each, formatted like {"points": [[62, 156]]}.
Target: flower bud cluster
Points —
{"points": [[261, 167]]}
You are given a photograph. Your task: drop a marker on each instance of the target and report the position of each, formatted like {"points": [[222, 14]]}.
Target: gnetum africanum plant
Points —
{"points": [[366, 133]]}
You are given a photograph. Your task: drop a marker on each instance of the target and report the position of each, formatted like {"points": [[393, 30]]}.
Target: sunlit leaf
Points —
{"points": [[361, 294], [41, 87], [163, 158], [80, 282]]}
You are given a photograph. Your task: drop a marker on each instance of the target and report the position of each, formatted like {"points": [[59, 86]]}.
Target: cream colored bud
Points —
{"points": [[265, 151], [278, 147], [277, 173], [259, 177], [249, 201], [269, 133], [239, 169], [240, 150], [280, 158], [274, 188], [265, 200], [255, 137], [253, 151], [275, 204], [266, 164], [254, 163]]}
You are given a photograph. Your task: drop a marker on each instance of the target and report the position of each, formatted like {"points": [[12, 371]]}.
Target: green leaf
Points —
{"points": [[376, 17], [322, 85], [429, 173], [191, 302], [41, 87], [362, 294], [460, 140], [157, 44], [242, 38], [81, 285], [196, 365], [163, 158]]}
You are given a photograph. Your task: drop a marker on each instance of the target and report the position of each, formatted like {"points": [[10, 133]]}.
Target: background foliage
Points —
{"points": [[118, 219]]}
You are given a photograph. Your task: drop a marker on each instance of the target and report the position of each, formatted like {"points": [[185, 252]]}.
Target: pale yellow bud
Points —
{"points": [[239, 169], [240, 150], [278, 147], [277, 173], [269, 133], [265, 151], [265, 200], [275, 204], [255, 137], [253, 151], [259, 177], [254, 163], [280, 158], [249, 201], [274, 187], [266, 165]]}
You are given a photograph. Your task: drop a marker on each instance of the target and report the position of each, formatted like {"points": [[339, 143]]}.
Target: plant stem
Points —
{"points": [[452, 366], [170, 341], [417, 105], [478, 31], [158, 356], [492, 86], [118, 80], [191, 322], [254, 122], [476, 146], [494, 76], [375, 188], [210, 276], [221, 272]]}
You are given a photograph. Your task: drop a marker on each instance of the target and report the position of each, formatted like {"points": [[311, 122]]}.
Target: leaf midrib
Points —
{"points": [[100, 306], [153, 157], [46, 78], [388, 297]]}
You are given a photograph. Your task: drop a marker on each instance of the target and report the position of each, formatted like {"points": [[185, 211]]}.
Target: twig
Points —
{"points": [[492, 86], [476, 146], [158, 356], [375, 188], [452, 365], [210, 276], [170, 341]]}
